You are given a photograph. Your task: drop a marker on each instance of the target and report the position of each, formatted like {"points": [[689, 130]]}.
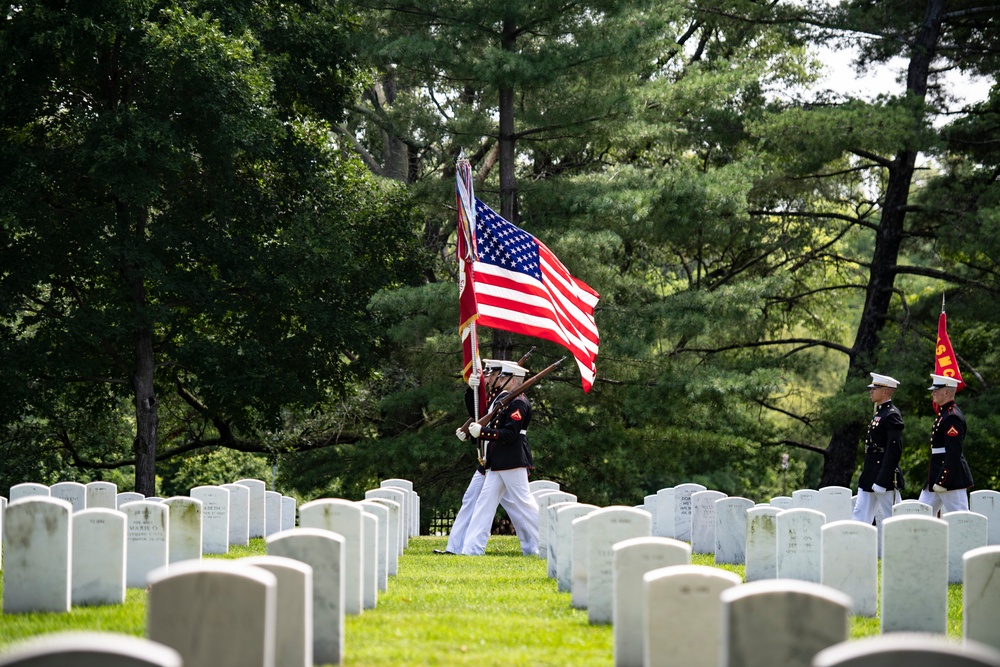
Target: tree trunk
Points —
{"points": [[395, 154], [503, 341], [146, 418], [143, 387], [842, 453]]}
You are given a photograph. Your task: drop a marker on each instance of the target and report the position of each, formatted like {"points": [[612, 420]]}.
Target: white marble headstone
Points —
{"points": [[236, 612], [539, 484], [783, 502], [781, 622], [38, 538], [369, 558], [682, 509], [731, 530], [566, 515], [381, 513], [127, 497], [807, 499], [293, 638], [272, 512], [28, 490], [799, 544], [90, 648], [912, 507], [409, 509], [631, 560], [185, 528], [683, 620], [579, 570], [663, 520], [703, 521], [98, 557], [214, 518], [102, 495], [394, 547], [288, 505], [914, 574], [981, 595], [608, 526], [907, 648], [850, 563], [544, 500], [344, 518], [987, 503], [762, 543], [74, 493], [966, 531], [552, 511], [650, 505], [239, 514], [257, 508], [148, 546], [399, 496], [322, 550], [835, 503]]}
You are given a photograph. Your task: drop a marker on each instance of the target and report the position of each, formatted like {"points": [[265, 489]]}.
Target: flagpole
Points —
{"points": [[467, 212]]}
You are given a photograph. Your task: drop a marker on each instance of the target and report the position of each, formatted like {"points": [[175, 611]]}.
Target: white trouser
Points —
{"points": [[956, 500], [456, 538], [512, 486], [868, 503]]}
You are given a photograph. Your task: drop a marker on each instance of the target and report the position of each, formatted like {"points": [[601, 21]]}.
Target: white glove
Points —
{"points": [[939, 488], [475, 429], [878, 489], [474, 380], [460, 434]]}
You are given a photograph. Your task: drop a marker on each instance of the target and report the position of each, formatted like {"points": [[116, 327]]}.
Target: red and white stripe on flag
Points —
{"points": [[522, 287]]}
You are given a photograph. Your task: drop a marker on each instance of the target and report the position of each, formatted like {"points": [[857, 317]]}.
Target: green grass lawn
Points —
{"points": [[494, 610]]}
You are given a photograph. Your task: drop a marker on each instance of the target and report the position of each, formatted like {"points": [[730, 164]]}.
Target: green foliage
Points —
{"points": [[213, 466], [172, 180], [669, 154]]}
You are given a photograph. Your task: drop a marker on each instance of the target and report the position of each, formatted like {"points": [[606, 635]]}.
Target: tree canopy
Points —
{"points": [[760, 244], [179, 232]]}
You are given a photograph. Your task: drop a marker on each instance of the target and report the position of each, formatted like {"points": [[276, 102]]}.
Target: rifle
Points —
{"points": [[503, 402]]}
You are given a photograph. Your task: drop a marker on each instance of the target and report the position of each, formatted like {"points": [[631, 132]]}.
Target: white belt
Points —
{"points": [[525, 432], [938, 450]]}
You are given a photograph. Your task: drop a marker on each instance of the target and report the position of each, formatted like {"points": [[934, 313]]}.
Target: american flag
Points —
{"points": [[522, 287]]}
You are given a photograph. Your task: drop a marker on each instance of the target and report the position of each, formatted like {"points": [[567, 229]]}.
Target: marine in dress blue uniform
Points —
{"points": [[508, 462], [459, 528], [948, 475], [880, 479]]}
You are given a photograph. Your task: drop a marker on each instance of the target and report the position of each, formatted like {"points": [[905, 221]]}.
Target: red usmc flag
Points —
{"points": [[945, 362]]}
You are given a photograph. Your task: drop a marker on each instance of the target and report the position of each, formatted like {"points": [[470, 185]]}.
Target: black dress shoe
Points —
{"points": [[441, 552]]}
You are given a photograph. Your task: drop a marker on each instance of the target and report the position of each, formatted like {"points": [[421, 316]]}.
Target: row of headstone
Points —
{"points": [[340, 551], [838, 558], [264, 512], [112, 550], [668, 612]]}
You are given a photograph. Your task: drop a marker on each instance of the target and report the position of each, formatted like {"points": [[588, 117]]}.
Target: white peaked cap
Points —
{"points": [[505, 367], [883, 381], [940, 381]]}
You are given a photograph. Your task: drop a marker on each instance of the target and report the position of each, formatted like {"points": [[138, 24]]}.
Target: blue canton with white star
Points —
{"points": [[502, 244]]}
